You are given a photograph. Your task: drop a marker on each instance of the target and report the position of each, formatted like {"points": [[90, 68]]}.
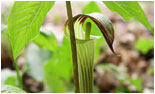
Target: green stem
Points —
{"points": [[73, 47], [18, 75]]}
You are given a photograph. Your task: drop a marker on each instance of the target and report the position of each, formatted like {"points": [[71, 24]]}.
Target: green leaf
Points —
{"points": [[137, 82], [58, 71], [35, 60], [24, 22], [128, 10], [11, 89], [11, 80], [144, 45], [45, 41], [88, 8], [115, 70]]}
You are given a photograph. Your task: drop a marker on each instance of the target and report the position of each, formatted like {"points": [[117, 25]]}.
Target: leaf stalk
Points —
{"points": [[18, 75]]}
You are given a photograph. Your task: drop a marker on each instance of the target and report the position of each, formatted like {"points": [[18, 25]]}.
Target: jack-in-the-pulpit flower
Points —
{"points": [[86, 45]]}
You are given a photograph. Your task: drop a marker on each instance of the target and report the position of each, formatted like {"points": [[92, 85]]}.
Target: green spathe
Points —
{"points": [[85, 53], [86, 44]]}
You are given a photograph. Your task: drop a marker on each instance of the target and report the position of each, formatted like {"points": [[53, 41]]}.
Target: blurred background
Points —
{"points": [[45, 70]]}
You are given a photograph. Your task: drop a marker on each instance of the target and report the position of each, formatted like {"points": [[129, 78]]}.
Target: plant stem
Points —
{"points": [[73, 47], [18, 75]]}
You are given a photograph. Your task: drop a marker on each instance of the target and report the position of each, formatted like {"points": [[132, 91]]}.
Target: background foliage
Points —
{"points": [[45, 63]]}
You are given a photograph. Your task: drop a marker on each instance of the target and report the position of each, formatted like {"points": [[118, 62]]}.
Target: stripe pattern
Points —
{"points": [[85, 53]]}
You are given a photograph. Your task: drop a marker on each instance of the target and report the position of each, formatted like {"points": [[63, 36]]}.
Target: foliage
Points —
{"points": [[24, 22], [45, 41], [35, 60], [123, 90], [128, 10], [55, 61], [137, 82], [144, 45], [114, 69], [37, 57], [88, 8], [58, 70], [11, 89], [11, 80]]}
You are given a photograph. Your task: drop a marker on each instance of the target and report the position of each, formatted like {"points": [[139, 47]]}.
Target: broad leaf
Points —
{"points": [[58, 70], [11, 89], [45, 41], [24, 22], [128, 10]]}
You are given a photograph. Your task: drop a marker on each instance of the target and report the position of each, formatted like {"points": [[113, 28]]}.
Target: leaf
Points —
{"points": [[24, 22], [103, 23], [115, 70], [140, 45], [128, 10], [11, 80], [88, 8], [58, 70], [137, 82], [45, 41], [11, 89], [35, 60]]}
